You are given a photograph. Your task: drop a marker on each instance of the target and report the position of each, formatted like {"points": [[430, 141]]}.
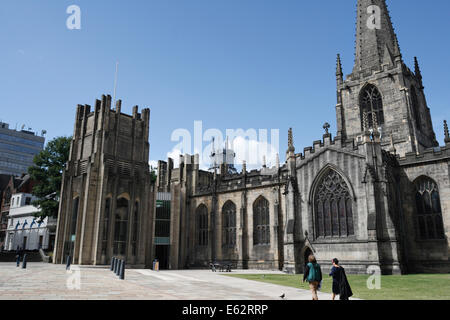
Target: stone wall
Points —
{"points": [[426, 255]]}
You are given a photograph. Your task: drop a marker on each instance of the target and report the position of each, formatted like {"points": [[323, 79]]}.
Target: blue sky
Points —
{"points": [[231, 64]]}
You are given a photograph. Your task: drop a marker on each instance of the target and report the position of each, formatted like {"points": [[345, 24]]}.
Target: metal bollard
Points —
{"points": [[116, 265], [24, 262], [68, 262], [122, 270], [119, 263], [18, 260], [112, 264]]}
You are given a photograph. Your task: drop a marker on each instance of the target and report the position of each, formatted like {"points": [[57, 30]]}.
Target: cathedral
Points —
{"points": [[376, 194]]}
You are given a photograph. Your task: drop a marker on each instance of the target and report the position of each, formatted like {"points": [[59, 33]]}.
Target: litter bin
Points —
{"points": [[155, 265]]}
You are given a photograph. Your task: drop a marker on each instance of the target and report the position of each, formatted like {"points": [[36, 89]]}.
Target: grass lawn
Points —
{"points": [[406, 287]]}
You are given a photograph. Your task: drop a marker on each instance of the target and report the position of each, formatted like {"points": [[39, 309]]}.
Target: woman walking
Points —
{"points": [[313, 275], [340, 282], [336, 272]]}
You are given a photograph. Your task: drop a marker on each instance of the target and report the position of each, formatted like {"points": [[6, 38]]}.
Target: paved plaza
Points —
{"points": [[45, 281]]}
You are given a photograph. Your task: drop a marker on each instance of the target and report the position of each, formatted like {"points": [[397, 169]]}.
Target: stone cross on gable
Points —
{"points": [[326, 127]]}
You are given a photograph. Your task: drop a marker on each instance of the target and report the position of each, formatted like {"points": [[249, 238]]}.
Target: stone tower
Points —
{"points": [[383, 87], [104, 207]]}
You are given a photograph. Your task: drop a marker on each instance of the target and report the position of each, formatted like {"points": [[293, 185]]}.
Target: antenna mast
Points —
{"points": [[213, 156]]}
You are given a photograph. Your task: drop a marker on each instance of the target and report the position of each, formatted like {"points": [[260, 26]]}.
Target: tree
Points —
{"points": [[153, 174], [47, 176]]}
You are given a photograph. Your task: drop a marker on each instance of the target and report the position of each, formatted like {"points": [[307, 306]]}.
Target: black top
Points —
{"points": [[336, 273], [344, 287]]}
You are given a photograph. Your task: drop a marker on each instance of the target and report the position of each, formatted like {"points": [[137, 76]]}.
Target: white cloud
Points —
{"points": [[175, 156], [253, 152], [250, 150], [153, 163]]}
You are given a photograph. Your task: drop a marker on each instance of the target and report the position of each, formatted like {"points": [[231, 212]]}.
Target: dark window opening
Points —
{"points": [[333, 207], [106, 220], [261, 222], [135, 234], [429, 212], [229, 224], [121, 226], [371, 104], [202, 225]]}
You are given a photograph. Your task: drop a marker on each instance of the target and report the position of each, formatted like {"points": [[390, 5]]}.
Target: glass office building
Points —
{"points": [[17, 149]]}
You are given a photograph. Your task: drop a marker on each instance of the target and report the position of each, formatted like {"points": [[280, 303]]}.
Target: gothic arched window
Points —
{"points": [[371, 103], [429, 212], [202, 225], [121, 226], [106, 219], [261, 223], [73, 223], [333, 206], [415, 107], [229, 224], [135, 233]]}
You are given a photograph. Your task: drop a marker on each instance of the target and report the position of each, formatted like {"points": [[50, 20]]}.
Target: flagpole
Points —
{"points": [[115, 82]]}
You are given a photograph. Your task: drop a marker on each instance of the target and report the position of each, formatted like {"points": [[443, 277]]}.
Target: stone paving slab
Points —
{"points": [[43, 281]]}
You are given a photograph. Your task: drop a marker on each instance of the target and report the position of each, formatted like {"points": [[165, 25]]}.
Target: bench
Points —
{"points": [[224, 266]]}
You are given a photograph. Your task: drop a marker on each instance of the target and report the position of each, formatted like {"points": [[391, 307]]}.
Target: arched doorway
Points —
{"points": [[306, 254]]}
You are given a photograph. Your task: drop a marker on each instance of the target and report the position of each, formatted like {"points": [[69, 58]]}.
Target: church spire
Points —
{"points": [[446, 133], [291, 149], [290, 140], [417, 71], [397, 52], [376, 41], [339, 73]]}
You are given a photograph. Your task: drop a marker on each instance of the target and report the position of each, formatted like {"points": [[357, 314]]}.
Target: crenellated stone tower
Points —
{"points": [[104, 207], [382, 85]]}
